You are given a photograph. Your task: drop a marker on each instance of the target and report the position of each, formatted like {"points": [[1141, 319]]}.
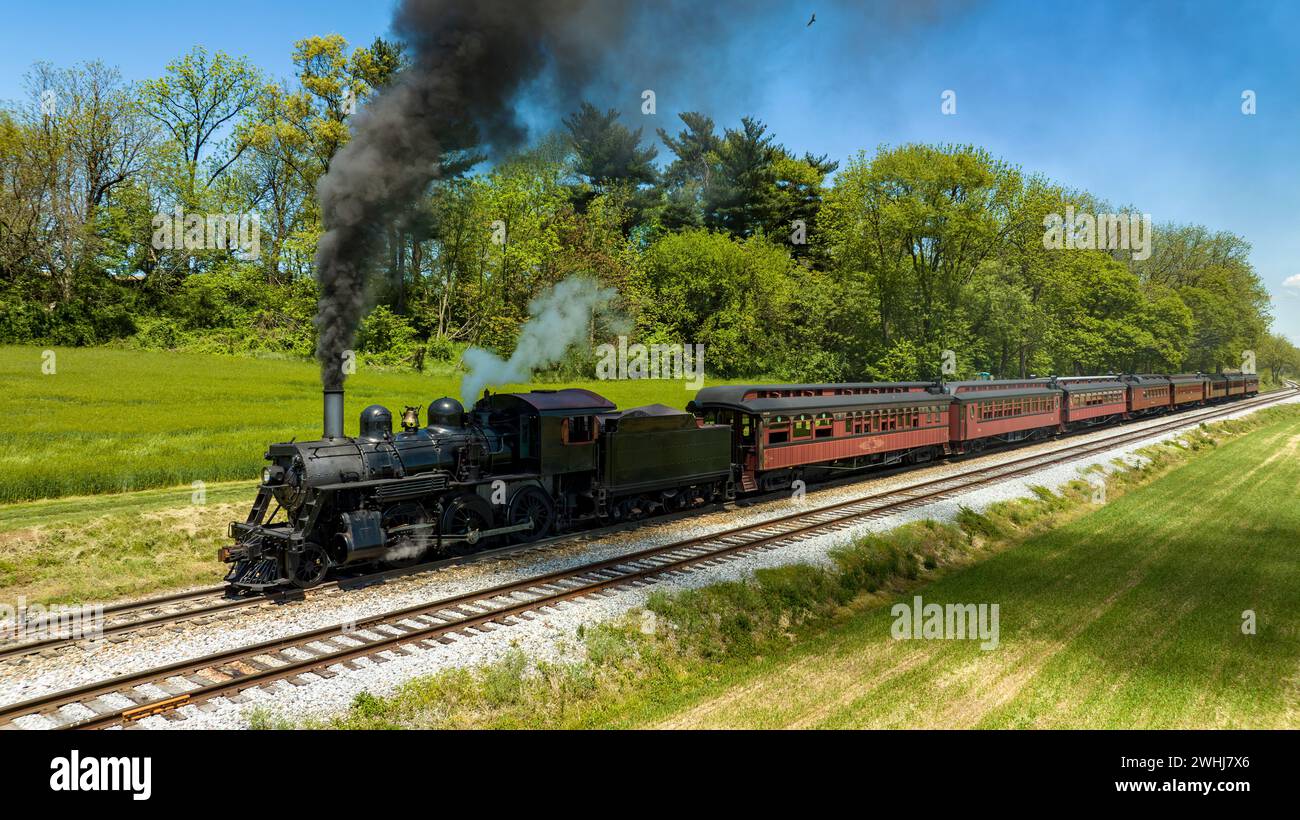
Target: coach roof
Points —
{"points": [[1085, 386], [731, 394], [990, 385], [981, 395], [818, 404]]}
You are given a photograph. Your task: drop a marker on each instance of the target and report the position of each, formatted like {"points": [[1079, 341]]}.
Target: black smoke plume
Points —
{"points": [[469, 62]]}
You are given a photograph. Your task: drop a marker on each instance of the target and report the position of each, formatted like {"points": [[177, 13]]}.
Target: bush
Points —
{"points": [[386, 338], [442, 349], [159, 334]]}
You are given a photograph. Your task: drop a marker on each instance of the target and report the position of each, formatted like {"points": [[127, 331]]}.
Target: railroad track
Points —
{"points": [[56, 629], [127, 698]]}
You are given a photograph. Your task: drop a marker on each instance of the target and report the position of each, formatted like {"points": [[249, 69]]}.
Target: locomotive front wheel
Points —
{"points": [[531, 504], [307, 568], [406, 549]]}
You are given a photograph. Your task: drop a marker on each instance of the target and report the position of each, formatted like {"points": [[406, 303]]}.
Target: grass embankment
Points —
{"points": [[1127, 615], [112, 420], [92, 549]]}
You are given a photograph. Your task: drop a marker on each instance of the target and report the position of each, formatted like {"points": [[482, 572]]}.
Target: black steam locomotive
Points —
{"points": [[516, 468]]}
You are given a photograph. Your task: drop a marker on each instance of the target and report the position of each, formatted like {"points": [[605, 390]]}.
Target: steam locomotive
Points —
{"points": [[521, 466], [518, 467]]}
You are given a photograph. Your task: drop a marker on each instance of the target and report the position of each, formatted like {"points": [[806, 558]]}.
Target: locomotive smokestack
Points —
{"points": [[333, 413]]}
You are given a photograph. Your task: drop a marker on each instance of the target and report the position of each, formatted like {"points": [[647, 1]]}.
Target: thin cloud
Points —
{"points": [[1292, 282]]}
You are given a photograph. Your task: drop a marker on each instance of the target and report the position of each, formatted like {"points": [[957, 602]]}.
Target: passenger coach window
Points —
{"points": [[802, 428]]}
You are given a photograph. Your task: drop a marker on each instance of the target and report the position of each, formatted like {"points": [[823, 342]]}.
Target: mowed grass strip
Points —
{"points": [[149, 547], [110, 420], [1129, 616], [78, 509]]}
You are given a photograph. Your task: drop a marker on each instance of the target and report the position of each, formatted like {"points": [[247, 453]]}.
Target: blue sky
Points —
{"points": [[1138, 103]]}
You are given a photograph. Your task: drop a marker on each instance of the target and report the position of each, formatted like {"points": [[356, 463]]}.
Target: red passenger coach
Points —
{"points": [[1147, 394], [777, 439], [983, 417], [1188, 389], [1216, 386], [1252, 384], [1089, 402], [1237, 384]]}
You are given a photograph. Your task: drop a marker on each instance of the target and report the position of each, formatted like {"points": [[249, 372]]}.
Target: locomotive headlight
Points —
{"points": [[272, 475]]}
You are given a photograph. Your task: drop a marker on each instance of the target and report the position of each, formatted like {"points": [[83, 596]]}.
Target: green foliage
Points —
{"points": [[386, 338], [737, 298], [607, 151]]}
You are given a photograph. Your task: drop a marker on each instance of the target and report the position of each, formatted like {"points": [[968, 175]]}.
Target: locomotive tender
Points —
{"points": [[521, 466]]}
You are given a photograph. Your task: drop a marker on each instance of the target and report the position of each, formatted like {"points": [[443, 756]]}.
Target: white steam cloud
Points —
{"points": [[560, 317]]}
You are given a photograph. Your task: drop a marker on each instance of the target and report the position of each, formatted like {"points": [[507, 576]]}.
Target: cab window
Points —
{"points": [[579, 430]]}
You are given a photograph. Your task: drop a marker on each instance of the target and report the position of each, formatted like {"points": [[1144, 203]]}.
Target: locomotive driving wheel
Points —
{"points": [[307, 568], [464, 518], [531, 504]]}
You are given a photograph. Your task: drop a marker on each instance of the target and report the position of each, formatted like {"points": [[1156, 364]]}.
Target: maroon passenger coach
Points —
{"points": [[983, 417], [1148, 393], [1188, 388], [1091, 401], [785, 432]]}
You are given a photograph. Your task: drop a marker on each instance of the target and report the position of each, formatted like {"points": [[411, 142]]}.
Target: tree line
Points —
{"points": [[783, 265]]}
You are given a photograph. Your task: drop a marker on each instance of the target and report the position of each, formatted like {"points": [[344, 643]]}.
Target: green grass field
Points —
{"points": [[110, 420], [1127, 614]]}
